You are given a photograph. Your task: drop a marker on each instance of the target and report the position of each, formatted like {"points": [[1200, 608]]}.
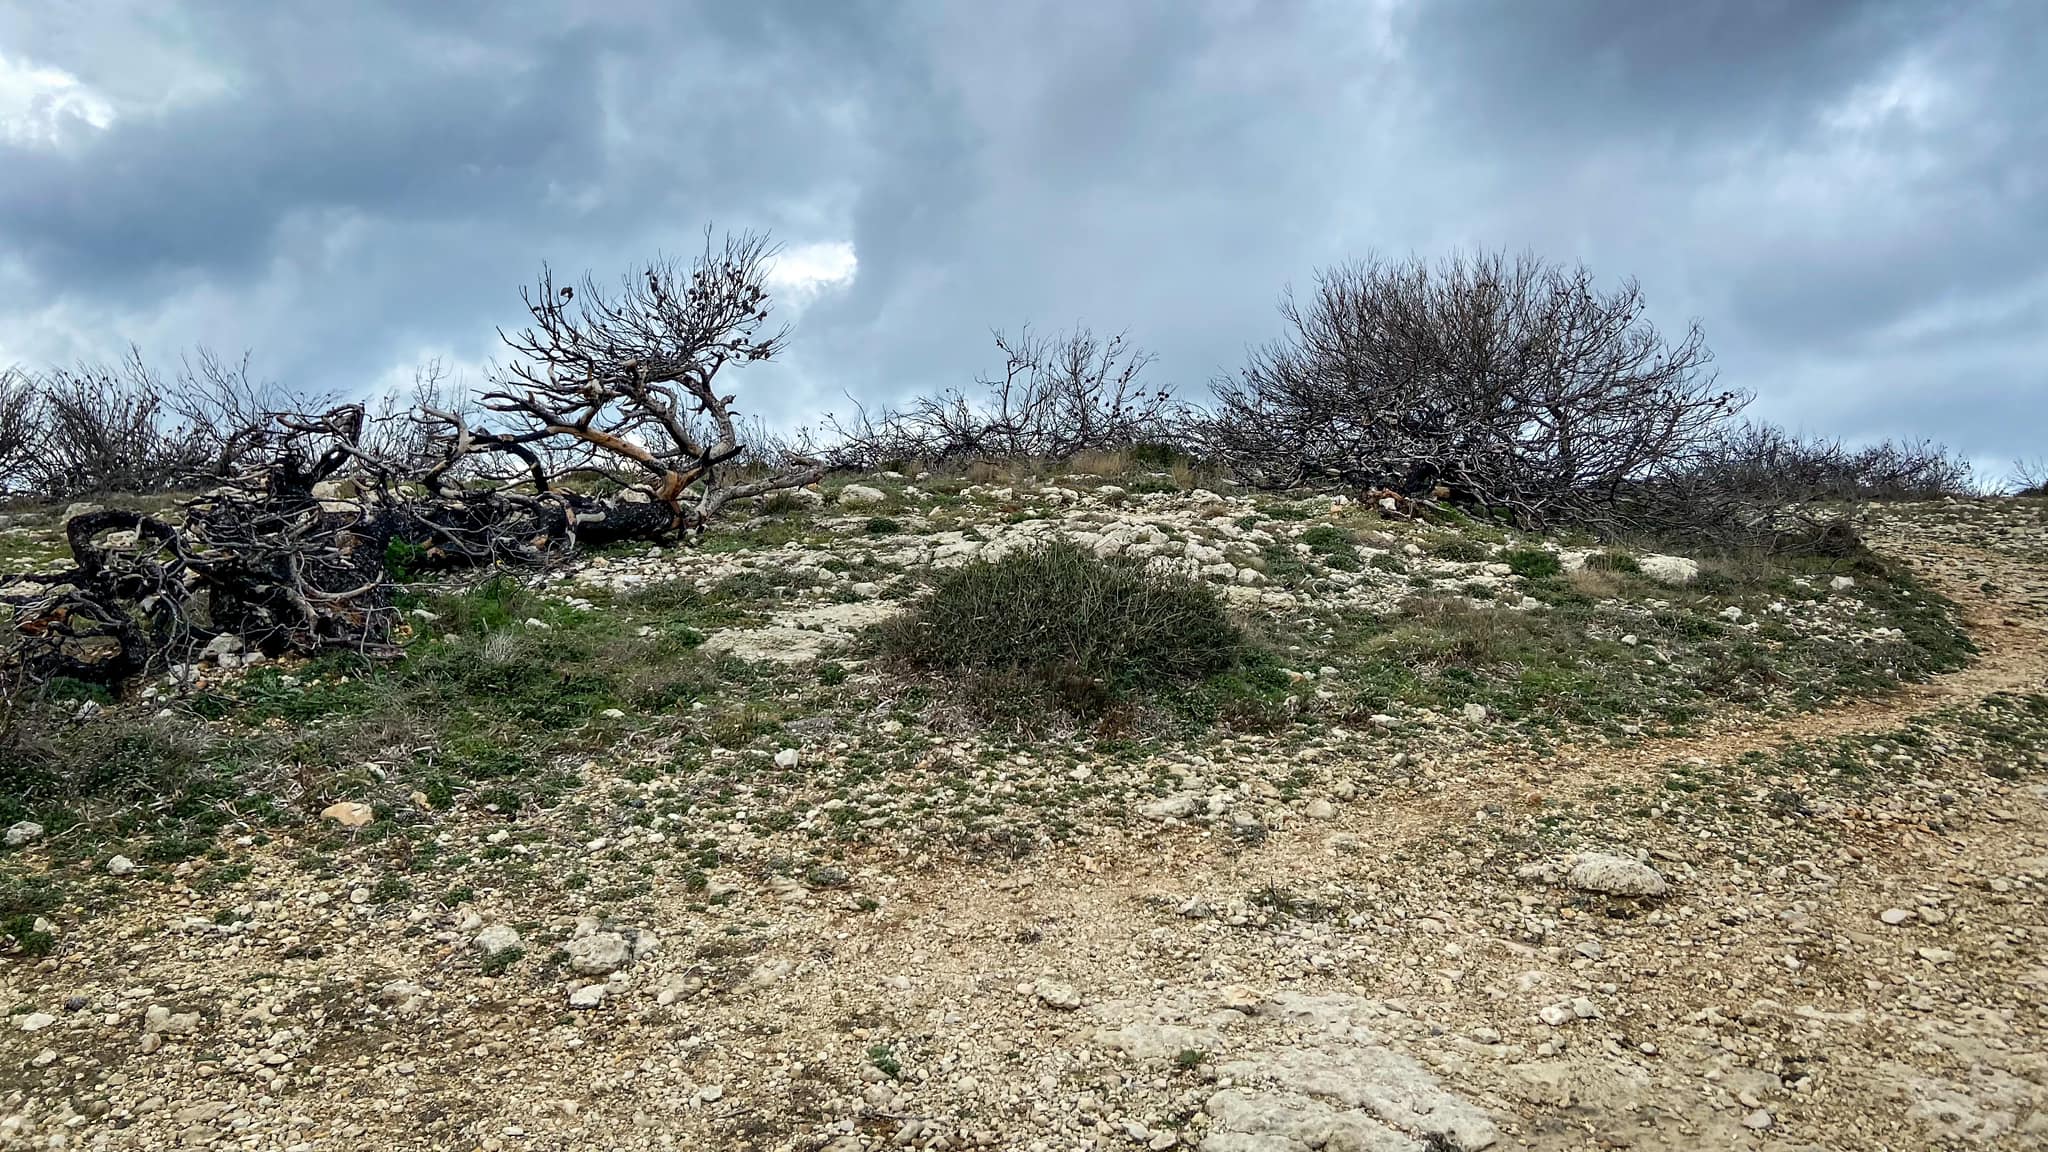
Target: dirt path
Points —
{"points": [[1380, 979]]}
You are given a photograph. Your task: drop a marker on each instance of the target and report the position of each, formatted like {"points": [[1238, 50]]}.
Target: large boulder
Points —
{"points": [[861, 496]]}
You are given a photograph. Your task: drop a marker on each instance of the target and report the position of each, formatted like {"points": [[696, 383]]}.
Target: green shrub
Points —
{"points": [[1056, 618], [1334, 545], [1455, 548], [1612, 562], [1534, 563], [883, 526]]}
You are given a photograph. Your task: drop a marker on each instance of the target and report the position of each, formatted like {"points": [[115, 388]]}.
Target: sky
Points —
{"points": [[1850, 198]]}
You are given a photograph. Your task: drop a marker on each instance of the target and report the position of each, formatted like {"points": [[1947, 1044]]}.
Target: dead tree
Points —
{"points": [[1515, 384], [1056, 397], [21, 431], [291, 552]]}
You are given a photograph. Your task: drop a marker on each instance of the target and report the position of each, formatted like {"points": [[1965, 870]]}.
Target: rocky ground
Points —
{"points": [[1768, 921]]}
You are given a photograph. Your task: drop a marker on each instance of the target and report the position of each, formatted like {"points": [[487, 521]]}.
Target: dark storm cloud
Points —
{"points": [[1852, 198]]}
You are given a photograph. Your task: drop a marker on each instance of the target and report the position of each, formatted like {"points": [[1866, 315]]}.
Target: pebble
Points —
{"points": [[1895, 916], [22, 833], [37, 1021], [588, 996], [120, 866]]}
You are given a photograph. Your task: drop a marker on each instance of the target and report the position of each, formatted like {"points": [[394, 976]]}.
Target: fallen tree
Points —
{"points": [[609, 426]]}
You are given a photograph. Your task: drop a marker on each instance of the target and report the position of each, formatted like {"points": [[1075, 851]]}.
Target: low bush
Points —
{"points": [[1533, 563], [1055, 621]]}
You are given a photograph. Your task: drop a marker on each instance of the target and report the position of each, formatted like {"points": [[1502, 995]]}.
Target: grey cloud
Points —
{"points": [[376, 180]]}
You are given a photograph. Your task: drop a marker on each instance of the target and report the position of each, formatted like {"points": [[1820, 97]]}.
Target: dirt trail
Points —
{"points": [[1376, 980]]}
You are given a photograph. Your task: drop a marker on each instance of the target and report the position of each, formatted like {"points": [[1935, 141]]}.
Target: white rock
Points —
{"points": [[1669, 569], [1895, 916], [497, 938], [1320, 809], [1053, 994], [588, 996], [1731, 613], [1842, 583], [1475, 713], [1758, 1120], [1614, 875], [1557, 1015], [861, 496], [787, 758], [120, 866], [37, 1021], [598, 953], [1178, 805], [22, 833]]}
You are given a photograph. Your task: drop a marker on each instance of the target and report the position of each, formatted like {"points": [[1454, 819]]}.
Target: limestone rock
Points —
{"points": [[1615, 876]]}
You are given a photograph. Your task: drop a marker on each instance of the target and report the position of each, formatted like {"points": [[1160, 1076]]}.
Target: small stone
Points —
{"points": [[1556, 1015], [588, 996], [711, 1093], [1585, 1009], [1842, 583], [861, 496], [1731, 613], [787, 758], [120, 866], [497, 938], [22, 833], [1320, 809], [37, 1021], [598, 953], [1937, 955], [1053, 994], [1614, 875], [349, 814], [1475, 713], [1758, 1120], [1590, 949], [161, 1019], [1170, 808], [1895, 916]]}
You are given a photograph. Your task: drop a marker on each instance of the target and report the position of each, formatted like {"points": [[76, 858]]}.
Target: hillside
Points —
{"points": [[1486, 839]]}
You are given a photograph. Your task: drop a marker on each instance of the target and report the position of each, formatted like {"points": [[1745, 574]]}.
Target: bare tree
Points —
{"points": [[291, 552], [2028, 477], [21, 431], [226, 413], [1514, 383], [632, 380], [110, 428], [1056, 396]]}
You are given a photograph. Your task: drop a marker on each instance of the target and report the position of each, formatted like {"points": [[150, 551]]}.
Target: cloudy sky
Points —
{"points": [[1852, 198]]}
